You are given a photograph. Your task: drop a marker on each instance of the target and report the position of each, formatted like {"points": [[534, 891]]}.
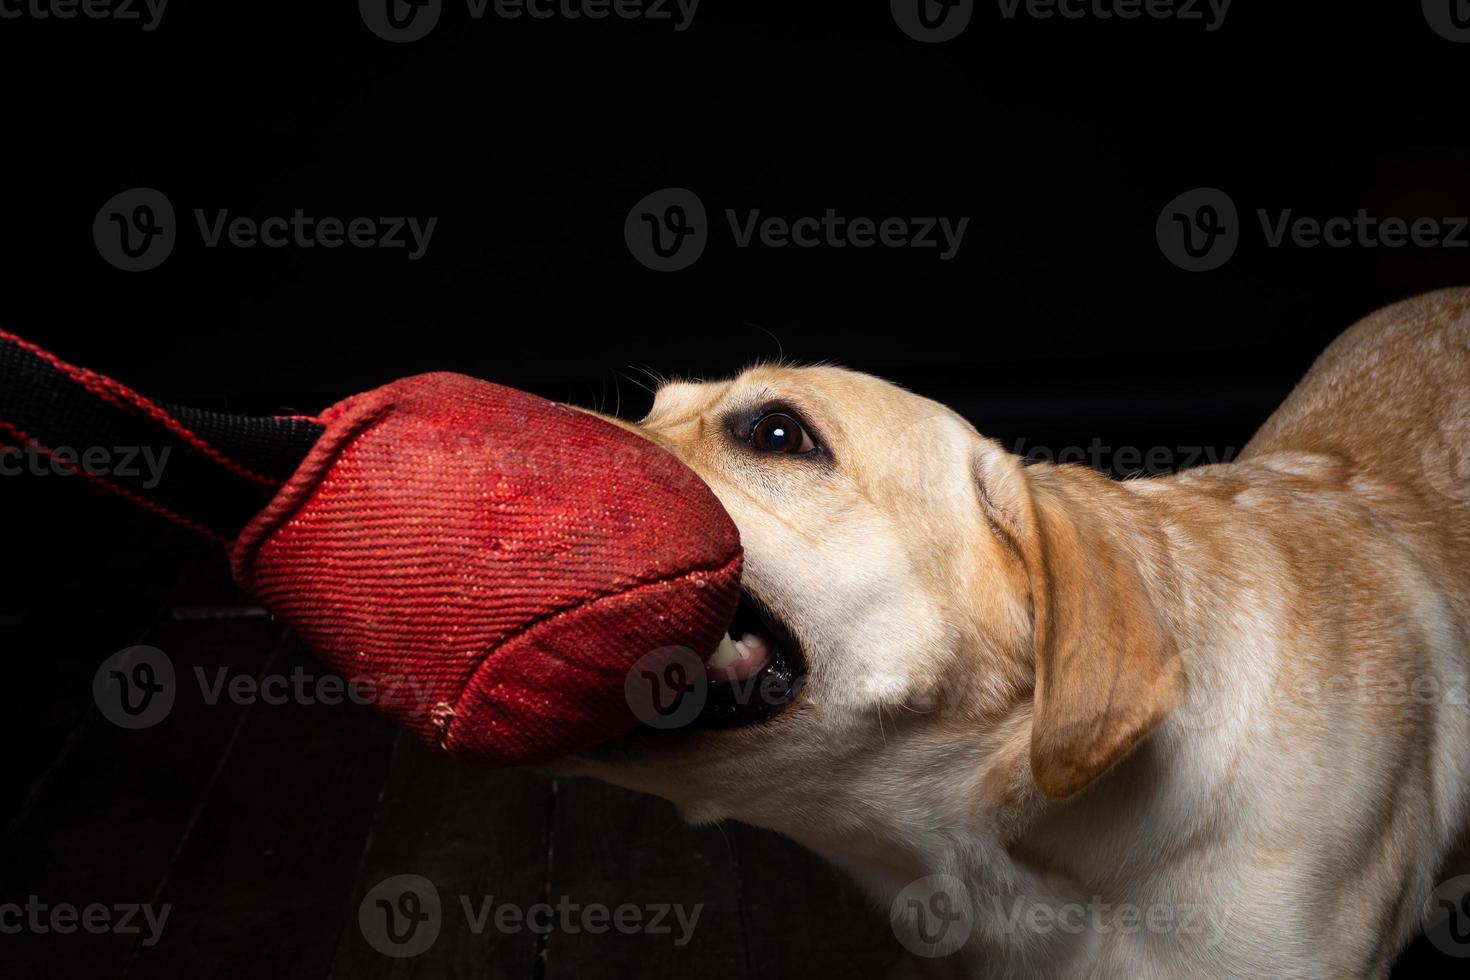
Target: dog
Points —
{"points": [[1212, 724]]}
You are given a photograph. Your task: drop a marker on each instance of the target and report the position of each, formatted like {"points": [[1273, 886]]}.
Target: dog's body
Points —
{"points": [[1208, 725]]}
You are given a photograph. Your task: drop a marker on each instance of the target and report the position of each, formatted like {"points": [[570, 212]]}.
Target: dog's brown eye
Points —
{"points": [[778, 433]]}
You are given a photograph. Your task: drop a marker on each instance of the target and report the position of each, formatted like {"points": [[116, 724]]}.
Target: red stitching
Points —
{"points": [[27, 440], [120, 395], [482, 662]]}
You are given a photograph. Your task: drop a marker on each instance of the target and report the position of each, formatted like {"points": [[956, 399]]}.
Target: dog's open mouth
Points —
{"points": [[755, 671]]}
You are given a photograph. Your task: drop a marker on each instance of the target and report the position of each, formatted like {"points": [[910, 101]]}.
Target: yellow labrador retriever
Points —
{"points": [[1208, 725]]}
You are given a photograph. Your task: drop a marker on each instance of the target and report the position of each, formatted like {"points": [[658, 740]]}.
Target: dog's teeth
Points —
{"points": [[753, 645], [727, 653]]}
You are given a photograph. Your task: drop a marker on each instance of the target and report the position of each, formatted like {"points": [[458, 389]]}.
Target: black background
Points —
{"points": [[1058, 323]]}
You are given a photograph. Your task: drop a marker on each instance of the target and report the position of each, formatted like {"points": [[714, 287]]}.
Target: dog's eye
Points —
{"points": [[780, 433]]}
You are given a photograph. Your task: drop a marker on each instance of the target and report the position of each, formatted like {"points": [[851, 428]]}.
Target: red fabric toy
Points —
{"points": [[497, 561], [509, 557]]}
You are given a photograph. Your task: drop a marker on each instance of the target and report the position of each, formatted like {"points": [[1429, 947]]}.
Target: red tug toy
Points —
{"points": [[504, 558]]}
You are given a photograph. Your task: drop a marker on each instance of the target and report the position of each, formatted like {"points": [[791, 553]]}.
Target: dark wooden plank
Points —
{"points": [[475, 836], [800, 909], [74, 591], [109, 818], [259, 885], [613, 848]]}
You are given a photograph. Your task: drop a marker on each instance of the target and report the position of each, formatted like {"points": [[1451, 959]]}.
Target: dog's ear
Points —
{"points": [[1107, 671]]}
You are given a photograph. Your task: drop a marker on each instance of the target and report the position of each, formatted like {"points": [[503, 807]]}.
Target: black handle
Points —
{"points": [[209, 471]]}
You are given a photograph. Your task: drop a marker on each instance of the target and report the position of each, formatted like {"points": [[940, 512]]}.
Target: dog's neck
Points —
{"points": [[1054, 885]]}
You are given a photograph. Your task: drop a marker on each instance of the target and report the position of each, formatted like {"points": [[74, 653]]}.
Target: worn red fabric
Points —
{"points": [[488, 565]]}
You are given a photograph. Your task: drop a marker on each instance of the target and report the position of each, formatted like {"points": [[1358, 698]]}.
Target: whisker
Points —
{"points": [[780, 347], [640, 384], [654, 376]]}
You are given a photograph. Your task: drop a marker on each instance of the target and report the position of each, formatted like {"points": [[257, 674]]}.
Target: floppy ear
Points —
{"points": [[1107, 669]]}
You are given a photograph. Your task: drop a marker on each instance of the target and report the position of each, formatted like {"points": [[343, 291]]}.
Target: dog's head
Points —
{"points": [[929, 627]]}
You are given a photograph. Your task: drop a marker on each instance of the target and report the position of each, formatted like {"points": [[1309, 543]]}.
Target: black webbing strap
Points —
{"points": [[209, 471]]}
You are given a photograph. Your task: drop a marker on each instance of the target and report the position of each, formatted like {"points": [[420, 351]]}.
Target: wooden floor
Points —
{"points": [[263, 827]]}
